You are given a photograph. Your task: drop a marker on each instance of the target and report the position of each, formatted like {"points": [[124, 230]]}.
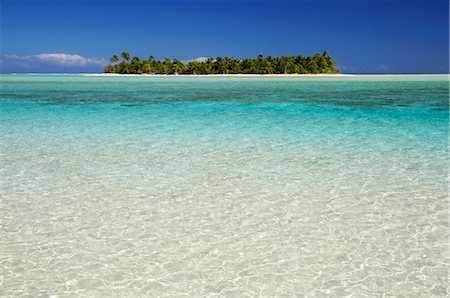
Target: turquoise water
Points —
{"points": [[115, 186]]}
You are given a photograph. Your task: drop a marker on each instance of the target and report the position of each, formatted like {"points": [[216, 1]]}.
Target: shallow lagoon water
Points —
{"points": [[224, 186]]}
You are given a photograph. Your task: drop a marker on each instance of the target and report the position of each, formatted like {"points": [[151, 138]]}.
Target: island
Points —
{"points": [[315, 64]]}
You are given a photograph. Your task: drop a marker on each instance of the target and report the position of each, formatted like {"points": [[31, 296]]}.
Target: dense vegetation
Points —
{"points": [[262, 65]]}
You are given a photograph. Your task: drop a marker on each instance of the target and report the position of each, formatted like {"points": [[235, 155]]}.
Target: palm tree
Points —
{"points": [[166, 65], [126, 57], [151, 59], [221, 65], [290, 61], [177, 65], [228, 62], [114, 59], [287, 62], [193, 67], [267, 67], [136, 65], [260, 64], [146, 67], [209, 64], [247, 65]]}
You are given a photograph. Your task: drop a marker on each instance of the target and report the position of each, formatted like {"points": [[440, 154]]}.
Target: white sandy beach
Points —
{"points": [[341, 75], [218, 75]]}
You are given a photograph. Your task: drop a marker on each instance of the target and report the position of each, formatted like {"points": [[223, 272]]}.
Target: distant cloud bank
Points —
{"points": [[198, 59], [46, 61]]}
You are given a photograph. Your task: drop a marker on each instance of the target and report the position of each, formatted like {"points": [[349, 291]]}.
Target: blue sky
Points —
{"points": [[365, 36]]}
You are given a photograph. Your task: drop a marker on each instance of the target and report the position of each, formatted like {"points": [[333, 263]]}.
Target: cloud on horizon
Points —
{"points": [[46, 61], [198, 59]]}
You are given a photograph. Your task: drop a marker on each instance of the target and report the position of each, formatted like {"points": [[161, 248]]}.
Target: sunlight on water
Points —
{"points": [[226, 187]]}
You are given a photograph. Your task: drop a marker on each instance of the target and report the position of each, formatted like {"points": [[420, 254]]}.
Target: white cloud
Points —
{"points": [[60, 59], [198, 59]]}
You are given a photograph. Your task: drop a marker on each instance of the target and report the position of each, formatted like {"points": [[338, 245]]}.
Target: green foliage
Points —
{"points": [[146, 67], [319, 63], [125, 56], [114, 58], [109, 69]]}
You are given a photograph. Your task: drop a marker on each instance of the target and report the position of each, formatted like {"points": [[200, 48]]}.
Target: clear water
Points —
{"points": [[224, 186]]}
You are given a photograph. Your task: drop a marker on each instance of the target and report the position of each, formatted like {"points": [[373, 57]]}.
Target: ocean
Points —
{"points": [[235, 187]]}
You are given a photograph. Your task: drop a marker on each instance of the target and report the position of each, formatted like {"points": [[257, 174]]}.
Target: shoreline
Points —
{"points": [[240, 75], [317, 76], [341, 75]]}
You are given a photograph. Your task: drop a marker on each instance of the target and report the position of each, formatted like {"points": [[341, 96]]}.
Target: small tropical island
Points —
{"points": [[316, 64]]}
